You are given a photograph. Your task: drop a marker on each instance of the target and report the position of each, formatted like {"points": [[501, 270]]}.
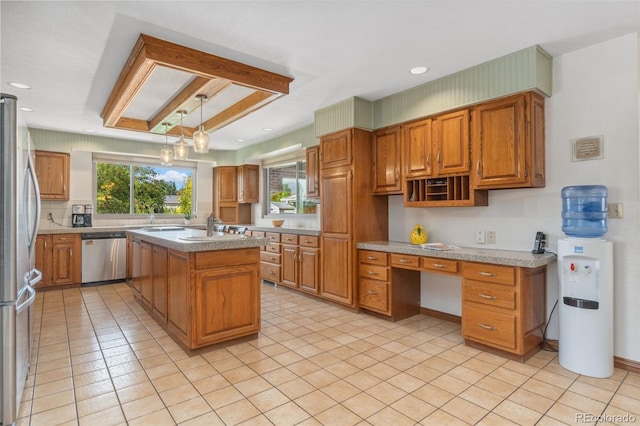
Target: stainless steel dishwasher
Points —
{"points": [[104, 257]]}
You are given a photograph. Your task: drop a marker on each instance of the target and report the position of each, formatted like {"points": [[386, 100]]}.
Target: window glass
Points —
{"points": [[139, 189], [286, 186]]}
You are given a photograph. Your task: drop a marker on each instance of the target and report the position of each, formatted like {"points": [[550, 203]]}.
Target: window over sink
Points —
{"points": [[138, 186]]}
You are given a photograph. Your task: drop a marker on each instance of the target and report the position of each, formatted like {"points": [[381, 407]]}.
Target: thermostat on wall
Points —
{"points": [[589, 148]]}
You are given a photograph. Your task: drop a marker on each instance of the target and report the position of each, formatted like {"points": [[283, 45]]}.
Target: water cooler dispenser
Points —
{"points": [[585, 268]]}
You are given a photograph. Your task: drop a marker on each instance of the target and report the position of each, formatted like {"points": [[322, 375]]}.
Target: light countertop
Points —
{"points": [[192, 240], [499, 257]]}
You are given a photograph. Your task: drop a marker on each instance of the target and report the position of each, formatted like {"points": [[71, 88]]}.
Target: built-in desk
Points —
{"points": [[503, 291]]}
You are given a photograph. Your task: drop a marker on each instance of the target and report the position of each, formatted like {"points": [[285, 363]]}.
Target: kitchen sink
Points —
{"points": [[162, 228], [214, 237]]}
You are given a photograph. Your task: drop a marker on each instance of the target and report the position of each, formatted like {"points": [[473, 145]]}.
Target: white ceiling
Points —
{"points": [[71, 53]]}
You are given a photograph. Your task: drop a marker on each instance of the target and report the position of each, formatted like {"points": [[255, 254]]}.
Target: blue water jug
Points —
{"points": [[584, 211]]}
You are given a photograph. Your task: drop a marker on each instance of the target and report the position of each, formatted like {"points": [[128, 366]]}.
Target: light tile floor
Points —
{"points": [[100, 359]]}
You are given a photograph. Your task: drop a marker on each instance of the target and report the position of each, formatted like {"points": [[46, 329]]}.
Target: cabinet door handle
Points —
{"points": [[478, 167], [438, 265], [404, 261], [486, 296], [487, 274], [486, 327], [307, 242], [372, 273], [372, 258], [372, 292], [438, 158], [428, 160]]}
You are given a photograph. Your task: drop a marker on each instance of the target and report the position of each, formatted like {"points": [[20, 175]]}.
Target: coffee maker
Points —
{"points": [[77, 215], [88, 210]]}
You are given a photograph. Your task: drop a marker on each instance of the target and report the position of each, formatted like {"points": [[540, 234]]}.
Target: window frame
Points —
{"points": [[266, 204], [133, 161]]}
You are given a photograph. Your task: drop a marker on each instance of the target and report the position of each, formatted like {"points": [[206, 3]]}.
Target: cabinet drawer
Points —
{"points": [[374, 295], [488, 294], [492, 273], [270, 272], [273, 236], [374, 272], [289, 239], [439, 265], [266, 256], [257, 234], [272, 248], [405, 261], [489, 327], [62, 238], [373, 257], [309, 241]]}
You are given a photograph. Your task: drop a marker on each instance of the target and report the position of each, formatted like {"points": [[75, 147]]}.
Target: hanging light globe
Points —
{"points": [[200, 137]]}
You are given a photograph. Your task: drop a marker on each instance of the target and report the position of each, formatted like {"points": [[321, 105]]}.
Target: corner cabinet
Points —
{"points": [[232, 195], [387, 175], [52, 171], [346, 187], [508, 142]]}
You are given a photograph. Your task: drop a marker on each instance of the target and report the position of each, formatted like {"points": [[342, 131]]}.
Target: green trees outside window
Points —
{"points": [[137, 189]]}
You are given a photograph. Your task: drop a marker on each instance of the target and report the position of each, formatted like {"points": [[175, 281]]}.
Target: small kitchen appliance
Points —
{"points": [[585, 269], [77, 215], [88, 212]]}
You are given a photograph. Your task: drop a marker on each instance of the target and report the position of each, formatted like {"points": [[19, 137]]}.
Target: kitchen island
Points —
{"points": [[201, 290]]}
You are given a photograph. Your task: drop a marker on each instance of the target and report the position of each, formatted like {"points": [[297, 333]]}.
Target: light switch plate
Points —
{"points": [[614, 210]]}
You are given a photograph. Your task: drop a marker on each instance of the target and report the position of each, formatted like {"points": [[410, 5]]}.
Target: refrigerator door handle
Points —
{"points": [[35, 276], [36, 223], [24, 305]]}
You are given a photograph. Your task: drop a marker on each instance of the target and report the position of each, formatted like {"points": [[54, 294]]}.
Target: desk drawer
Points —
{"points": [[374, 295], [273, 248], [405, 261], [373, 257], [498, 274], [489, 294], [489, 327], [439, 265], [289, 239], [266, 256], [374, 272], [309, 241]]}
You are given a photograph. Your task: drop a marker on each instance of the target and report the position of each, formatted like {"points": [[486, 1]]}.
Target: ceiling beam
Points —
{"points": [[239, 109]]}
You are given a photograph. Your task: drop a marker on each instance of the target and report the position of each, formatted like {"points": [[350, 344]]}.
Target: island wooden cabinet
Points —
{"points": [[200, 298], [313, 171], [346, 187], [387, 166], [53, 171], [508, 142], [59, 258]]}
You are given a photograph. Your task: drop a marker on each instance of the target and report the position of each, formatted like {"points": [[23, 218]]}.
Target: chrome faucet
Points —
{"points": [[210, 222], [152, 209]]}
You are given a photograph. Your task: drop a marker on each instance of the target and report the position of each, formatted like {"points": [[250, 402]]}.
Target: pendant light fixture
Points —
{"points": [[200, 137], [181, 148], [166, 155]]}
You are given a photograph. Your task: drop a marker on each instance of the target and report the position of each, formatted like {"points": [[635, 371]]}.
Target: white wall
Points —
{"points": [[596, 92]]}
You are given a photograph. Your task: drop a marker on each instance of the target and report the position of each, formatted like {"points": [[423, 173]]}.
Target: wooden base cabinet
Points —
{"points": [[200, 298], [59, 257], [301, 262], [504, 307]]}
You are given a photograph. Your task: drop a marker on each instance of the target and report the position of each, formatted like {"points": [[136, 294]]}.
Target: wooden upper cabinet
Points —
{"points": [[418, 149], [387, 178], [248, 183], [52, 170], [508, 142], [313, 171], [226, 183], [335, 149], [451, 141]]}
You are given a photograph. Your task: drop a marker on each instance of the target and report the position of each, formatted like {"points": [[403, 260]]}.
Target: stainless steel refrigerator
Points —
{"points": [[19, 218]]}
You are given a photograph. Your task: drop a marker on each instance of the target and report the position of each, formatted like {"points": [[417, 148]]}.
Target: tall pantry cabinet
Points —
{"points": [[350, 211]]}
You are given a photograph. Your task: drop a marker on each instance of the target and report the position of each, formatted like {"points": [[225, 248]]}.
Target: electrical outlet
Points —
{"points": [[614, 210], [491, 237], [480, 237]]}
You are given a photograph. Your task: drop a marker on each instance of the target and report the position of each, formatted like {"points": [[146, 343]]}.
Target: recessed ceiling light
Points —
{"points": [[18, 85], [90, 130], [27, 109], [268, 129], [239, 140], [418, 70]]}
